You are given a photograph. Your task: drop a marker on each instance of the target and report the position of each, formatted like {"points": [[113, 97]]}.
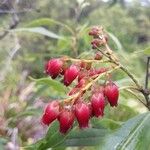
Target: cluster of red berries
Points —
{"points": [[84, 73], [81, 110]]}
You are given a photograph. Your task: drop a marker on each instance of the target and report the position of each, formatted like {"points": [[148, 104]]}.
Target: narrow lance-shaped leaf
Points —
{"points": [[56, 85], [48, 22], [76, 137], [87, 137], [134, 134], [39, 30], [147, 51]]}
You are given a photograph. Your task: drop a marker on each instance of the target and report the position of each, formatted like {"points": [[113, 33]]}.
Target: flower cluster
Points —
{"points": [[79, 106], [99, 38]]}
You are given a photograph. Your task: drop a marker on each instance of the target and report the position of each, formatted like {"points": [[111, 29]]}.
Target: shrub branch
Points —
{"points": [[113, 59]]}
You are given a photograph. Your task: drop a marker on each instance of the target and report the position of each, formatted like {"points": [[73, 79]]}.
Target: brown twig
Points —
{"points": [[147, 73], [66, 58], [114, 60]]}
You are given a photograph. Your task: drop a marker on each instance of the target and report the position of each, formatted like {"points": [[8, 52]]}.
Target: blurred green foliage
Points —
{"points": [[48, 29]]}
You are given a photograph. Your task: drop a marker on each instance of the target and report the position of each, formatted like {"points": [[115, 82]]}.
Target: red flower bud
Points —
{"points": [[95, 31], [112, 93], [51, 112], [82, 113], [81, 75], [85, 65], [106, 37], [94, 72], [66, 119], [98, 104], [101, 70], [70, 74], [88, 66], [90, 108], [98, 56], [96, 43], [53, 67], [81, 83], [97, 89]]}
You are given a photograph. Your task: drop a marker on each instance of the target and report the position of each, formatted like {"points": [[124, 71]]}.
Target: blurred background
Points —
{"points": [[32, 32]]}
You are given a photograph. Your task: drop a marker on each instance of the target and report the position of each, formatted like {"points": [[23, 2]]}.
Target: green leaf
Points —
{"points": [[129, 136], [24, 113], [29, 112], [48, 22], [106, 123], [134, 134], [76, 137], [39, 30], [64, 46], [56, 138], [116, 40], [56, 85], [147, 51], [86, 137], [40, 22]]}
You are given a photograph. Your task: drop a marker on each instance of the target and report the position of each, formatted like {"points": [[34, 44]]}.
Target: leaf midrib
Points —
{"points": [[130, 137]]}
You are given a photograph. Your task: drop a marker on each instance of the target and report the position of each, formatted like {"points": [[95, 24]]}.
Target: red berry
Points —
{"points": [[70, 74], [51, 112], [81, 75], [112, 93], [98, 56], [82, 113], [53, 67], [90, 108], [66, 119], [81, 83], [98, 104]]}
